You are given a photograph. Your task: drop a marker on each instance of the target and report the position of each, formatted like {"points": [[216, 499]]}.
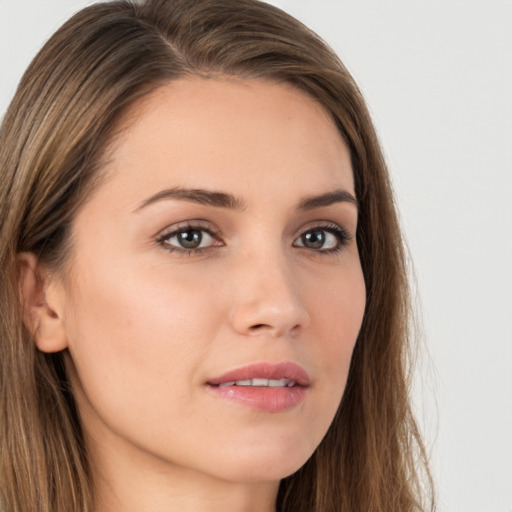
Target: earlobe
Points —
{"points": [[42, 310]]}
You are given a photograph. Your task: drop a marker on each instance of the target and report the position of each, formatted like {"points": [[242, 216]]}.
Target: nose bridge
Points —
{"points": [[267, 297]]}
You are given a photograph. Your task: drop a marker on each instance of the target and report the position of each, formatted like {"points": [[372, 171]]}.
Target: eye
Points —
{"points": [[323, 239], [188, 238]]}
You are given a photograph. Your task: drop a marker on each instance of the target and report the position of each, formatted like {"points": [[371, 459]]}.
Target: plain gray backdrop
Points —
{"points": [[437, 76]]}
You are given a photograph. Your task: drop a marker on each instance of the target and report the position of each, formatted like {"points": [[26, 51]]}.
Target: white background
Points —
{"points": [[437, 75]]}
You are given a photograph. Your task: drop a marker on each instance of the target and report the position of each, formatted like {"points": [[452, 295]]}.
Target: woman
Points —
{"points": [[204, 289]]}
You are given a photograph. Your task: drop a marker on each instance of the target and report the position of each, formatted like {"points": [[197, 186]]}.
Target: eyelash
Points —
{"points": [[163, 239], [342, 236]]}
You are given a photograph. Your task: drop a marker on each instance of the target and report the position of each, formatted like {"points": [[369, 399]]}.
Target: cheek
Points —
{"points": [[134, 337], [338, 308], [337, 314]]}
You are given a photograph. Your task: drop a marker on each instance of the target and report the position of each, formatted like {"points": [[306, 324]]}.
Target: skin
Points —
{"points": [[147, 327]]}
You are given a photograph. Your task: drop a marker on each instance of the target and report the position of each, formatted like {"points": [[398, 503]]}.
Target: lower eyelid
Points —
{"points": [[163, 238], [342, 239]]}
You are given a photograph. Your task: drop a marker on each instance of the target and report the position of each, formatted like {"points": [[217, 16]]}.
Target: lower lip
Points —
{"points": [[263, 398]]}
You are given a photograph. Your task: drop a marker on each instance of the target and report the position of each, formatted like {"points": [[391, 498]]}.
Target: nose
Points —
{"points": [[267, 299]]}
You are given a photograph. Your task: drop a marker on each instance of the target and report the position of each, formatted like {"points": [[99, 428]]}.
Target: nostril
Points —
{"points": [[258, 327]]}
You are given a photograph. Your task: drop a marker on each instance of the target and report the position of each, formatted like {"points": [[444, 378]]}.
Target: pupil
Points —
{"points": [[190, 239], [314, 239]]}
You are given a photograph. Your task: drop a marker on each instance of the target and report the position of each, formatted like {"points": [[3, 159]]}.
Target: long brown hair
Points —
{"points": [[52, 139]]}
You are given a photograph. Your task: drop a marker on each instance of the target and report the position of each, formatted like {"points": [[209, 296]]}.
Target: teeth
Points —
{"points": [[278, 383], [258, 382], [226, 384]]}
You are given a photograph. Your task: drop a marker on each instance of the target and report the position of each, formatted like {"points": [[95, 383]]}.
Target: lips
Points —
{"points": [[261, 372], [263, 387]]}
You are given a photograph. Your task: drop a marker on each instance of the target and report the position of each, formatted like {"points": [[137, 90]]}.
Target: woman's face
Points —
{"points": [[220, 248]]}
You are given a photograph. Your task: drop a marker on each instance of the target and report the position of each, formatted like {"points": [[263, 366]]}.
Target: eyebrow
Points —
{"points": [[229, 201], [322, 200], [196, 195]]}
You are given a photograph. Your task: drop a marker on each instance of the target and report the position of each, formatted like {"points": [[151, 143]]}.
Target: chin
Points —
{"points": [[263, 464]]}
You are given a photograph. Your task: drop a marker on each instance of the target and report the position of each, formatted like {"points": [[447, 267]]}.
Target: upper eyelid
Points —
{"points": [[199, 224], [326, 225]]}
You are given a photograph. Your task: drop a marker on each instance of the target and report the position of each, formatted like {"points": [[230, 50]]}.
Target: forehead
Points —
{"points": [[226, 133]]}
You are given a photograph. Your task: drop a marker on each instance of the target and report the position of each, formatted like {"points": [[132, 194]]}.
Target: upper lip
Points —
{"points": [[265, 370]]}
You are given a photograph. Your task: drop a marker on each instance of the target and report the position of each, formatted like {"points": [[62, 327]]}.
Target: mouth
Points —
{"points": [[264, 374], [263, 387], [261, 383]]}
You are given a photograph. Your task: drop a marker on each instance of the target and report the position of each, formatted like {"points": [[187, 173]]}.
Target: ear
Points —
{"points": [[42, 297]]}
